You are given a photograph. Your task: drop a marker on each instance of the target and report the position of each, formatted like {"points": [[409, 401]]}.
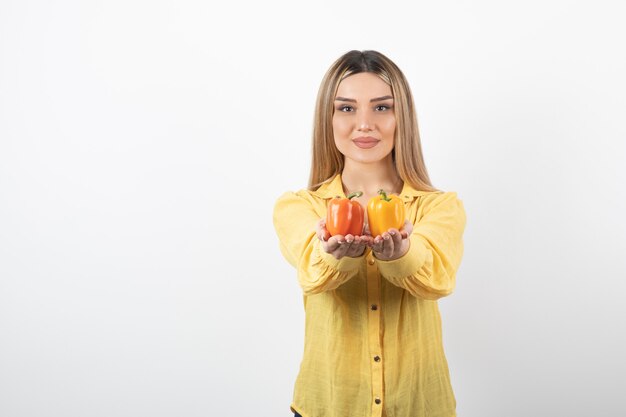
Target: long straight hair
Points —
{"points": [[327, 161]]}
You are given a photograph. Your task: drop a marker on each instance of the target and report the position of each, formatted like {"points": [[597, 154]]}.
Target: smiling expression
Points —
{"points": [[364, 122]]}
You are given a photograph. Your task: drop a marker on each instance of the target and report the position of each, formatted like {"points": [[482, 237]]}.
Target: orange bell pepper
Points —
{"points": [[345, 216], [385, 212]]}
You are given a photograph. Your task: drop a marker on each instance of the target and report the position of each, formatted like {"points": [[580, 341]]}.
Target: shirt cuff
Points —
{"points": [[406, 265]]}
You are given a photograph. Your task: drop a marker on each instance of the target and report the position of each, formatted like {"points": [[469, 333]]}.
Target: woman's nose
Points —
{"points": [[364, 122]]}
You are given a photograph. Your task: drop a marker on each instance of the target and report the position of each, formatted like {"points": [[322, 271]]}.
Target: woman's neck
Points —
{"points": [[369, 178]]}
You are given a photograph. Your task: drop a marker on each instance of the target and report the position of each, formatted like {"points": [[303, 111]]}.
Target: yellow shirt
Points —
{"points": [[373, 344]]}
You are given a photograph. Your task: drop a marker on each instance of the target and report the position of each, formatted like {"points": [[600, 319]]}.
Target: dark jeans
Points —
{"points": [[297, 415]]}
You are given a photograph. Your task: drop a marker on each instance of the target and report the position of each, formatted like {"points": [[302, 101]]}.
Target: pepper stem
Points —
{"points": [[354, 194], [383, 194]]}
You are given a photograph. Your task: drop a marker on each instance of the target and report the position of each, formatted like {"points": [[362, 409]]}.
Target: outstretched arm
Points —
{"points": [[428, 268], [323, 262]]}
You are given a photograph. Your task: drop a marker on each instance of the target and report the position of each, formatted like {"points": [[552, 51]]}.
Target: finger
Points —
{"points": [[323, 235], [388, 245], [366, 241], [383, 243], [354, 246], [407, 229], [356, 249], [325, 231], [342, 250], [348, 245], [359, 242], [333, 243], [396, 237], [377, 244]]}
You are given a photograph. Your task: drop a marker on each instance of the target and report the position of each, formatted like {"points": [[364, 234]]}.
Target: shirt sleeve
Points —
{"points": [[295, 221], [428, 269]]}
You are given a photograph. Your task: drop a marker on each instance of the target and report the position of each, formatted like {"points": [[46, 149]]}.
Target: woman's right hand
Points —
{"points": [[340, 246]]}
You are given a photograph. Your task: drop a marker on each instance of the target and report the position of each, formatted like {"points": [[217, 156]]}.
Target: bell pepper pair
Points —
{"points": [[346, 216]]}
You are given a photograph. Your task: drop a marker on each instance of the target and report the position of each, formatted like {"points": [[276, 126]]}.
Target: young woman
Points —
{"points": [[373, 343]]}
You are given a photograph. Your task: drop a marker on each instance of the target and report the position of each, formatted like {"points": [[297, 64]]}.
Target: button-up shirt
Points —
{"points": [[373, 343]]}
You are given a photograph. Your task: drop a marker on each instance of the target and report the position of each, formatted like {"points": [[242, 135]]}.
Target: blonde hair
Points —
{"points": [[327, 161]]}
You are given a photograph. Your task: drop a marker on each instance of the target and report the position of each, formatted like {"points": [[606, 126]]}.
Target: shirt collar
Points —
{"points": [[334, 188]]}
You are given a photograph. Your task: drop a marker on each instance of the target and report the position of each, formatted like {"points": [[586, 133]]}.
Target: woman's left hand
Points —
{"points": [[393, 243]]}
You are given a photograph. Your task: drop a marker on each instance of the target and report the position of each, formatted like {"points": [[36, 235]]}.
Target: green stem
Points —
{"points": [[354, 194], [384, 195]]}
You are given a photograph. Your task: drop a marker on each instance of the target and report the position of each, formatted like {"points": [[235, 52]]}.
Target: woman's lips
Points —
{"points": [[365, 143]]}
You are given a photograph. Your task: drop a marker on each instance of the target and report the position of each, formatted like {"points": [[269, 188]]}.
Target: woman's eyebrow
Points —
{"points": [[372, 100]]}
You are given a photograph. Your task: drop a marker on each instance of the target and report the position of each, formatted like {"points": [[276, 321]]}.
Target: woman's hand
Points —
{"points": [[340, 246], [393, 243]]}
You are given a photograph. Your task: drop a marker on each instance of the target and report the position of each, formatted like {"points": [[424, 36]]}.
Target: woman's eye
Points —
{"points": [[382, 107], [345, 108]]}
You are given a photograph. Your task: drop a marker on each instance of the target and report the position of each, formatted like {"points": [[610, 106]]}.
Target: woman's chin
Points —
{"points": [[363, 158]]}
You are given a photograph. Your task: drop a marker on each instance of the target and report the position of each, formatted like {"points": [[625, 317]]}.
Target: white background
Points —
{"points": [[144, 143]]}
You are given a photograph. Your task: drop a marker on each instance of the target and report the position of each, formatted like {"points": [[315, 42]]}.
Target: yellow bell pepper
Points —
{"points": [[385, 212]]}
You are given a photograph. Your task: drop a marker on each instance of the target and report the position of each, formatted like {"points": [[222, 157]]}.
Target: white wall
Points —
{"points": [[142, 147]]}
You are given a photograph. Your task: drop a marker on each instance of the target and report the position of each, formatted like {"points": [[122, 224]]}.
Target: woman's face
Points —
{"points": [[364, 122]]}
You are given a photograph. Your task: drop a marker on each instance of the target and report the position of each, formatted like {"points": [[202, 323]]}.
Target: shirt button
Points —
{"points": [[377, 400], [374, 307], [371, 261], [377, 358]]}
